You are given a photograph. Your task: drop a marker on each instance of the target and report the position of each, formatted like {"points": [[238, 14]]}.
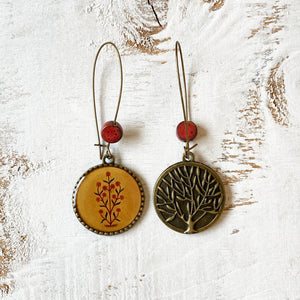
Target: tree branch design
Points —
{"points": [[109, 198], [189, 193]]}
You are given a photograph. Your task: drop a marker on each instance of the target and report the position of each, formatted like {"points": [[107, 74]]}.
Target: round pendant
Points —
{"points": [[189, 197], [108, 199]]}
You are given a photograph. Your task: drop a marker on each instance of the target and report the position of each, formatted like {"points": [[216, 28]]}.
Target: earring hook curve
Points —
{"points": [[184, 101], [100, 145]]}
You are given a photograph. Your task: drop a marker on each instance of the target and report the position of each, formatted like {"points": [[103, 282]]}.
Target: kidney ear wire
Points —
{"points": [[188, 155], [101, 145]]}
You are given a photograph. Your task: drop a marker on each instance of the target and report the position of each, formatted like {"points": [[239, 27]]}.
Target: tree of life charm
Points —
{"points": [[189, 197], [108, 199]]}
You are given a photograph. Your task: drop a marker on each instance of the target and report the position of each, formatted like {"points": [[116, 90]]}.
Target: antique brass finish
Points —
{"points": [[108, 199], [189, 197], [100, 144], [188, 155]]}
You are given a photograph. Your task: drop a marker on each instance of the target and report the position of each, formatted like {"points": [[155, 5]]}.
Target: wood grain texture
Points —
{"points": [[241, 60]]}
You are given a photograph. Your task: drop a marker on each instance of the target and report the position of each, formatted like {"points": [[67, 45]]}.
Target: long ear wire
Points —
{"points": [[188, 154], [100, 145]]}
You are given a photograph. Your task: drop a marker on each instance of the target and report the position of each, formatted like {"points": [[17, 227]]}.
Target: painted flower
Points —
{"points": [[108, 194]]}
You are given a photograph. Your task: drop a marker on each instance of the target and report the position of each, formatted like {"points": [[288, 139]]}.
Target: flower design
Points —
{"points": [[110, 198]]}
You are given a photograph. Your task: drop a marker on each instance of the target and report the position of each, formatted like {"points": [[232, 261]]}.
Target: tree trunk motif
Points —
{"points": [[189, 196]]}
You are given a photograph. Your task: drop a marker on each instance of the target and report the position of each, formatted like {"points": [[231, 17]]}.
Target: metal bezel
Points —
{"points": [[106, 233]]}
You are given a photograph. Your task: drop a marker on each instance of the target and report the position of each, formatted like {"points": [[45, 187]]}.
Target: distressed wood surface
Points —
{"points": [[242, 63]]}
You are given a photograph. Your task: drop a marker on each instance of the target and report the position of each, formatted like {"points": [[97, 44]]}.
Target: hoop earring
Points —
{"points": [[108, 198], [188, 196]]}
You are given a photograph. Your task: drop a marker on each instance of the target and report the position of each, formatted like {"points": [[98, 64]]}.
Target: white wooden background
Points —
{"points": [[242, 62]]}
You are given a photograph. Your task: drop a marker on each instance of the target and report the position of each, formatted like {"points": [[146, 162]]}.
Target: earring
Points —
{"points": [[188, 196], [108, 198]]}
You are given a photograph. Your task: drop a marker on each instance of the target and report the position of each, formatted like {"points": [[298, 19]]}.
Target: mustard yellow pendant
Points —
{"points": [[108, 199]]}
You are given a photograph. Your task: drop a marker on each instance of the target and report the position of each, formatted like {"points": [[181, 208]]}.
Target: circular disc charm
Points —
{"points": [[189, 197], [108, 199]]}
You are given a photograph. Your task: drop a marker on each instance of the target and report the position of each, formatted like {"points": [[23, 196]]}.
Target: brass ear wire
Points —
{"points": [[188, 196], [108, 154], [188, 155]]}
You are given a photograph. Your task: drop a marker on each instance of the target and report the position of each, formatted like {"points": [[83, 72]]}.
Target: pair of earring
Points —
{"points": [[108, 198]]}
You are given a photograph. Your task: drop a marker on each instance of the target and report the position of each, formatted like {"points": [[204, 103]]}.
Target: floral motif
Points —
{"points": [[109, 198]]}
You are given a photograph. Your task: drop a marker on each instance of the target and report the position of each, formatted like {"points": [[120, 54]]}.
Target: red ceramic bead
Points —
{"points": [[181, 132], [111, 132]]}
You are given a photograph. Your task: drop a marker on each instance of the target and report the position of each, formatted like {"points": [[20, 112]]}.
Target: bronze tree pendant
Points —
{"points": [[189, 197]]}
